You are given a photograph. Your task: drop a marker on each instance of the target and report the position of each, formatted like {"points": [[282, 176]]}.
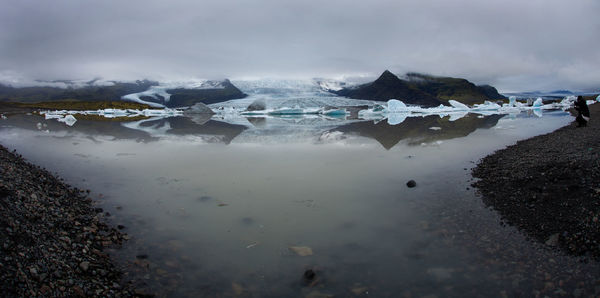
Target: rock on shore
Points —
{"points": [[549, 186], [51, 237]]}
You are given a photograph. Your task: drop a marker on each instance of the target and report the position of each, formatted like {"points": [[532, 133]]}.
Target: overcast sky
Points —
{"points": [[511, 44]]}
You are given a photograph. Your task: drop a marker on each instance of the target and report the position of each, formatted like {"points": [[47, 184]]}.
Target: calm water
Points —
{"points": [[216, 204]]}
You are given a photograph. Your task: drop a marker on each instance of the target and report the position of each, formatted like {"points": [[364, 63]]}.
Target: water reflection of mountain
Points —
{"points": [[90, 128], [216, 131], [417, 130], [144, 130]]}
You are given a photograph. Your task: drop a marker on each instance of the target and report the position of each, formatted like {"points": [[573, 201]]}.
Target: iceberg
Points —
{"points": [[113, 113], [458, 105], [512, 100], [396, 118], [487, 105], [334, 112], [456, 116], [395, 106], [68, 120], [286, 111]]}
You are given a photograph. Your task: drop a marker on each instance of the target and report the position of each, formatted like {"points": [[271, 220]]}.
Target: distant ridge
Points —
{"points": [[421, 89], [89, 92]]}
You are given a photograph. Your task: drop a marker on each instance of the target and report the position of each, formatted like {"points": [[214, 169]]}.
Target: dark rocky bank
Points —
{"points": [[549, 186], [51, 237]]}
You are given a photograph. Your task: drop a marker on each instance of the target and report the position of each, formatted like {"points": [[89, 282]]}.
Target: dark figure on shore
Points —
{"points": [[584, 112]]}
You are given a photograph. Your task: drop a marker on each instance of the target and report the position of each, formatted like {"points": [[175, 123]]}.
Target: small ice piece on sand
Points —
{"points": [[302, 251], [435, 128]]}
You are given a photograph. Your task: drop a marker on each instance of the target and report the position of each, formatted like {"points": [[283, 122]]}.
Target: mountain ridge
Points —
{"points": [[421, 89], [179, 95]]}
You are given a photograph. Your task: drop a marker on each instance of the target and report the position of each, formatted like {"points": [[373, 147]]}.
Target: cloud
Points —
{"points": [[512, 44]]}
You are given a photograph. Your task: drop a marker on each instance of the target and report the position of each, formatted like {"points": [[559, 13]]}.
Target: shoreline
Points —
{"points": [[52, 237], [548, 186]]}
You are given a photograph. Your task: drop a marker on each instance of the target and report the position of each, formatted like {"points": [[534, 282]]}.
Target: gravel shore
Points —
{"points": [[549, 186], [51, 237]]}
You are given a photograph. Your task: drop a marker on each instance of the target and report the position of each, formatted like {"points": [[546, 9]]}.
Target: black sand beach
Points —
{"points": [[549, 186]]}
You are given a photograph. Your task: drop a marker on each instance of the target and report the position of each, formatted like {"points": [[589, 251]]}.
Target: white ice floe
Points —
{"points": [[396, 111], [68, 118], [396, 106], [538, 103], [286, 111]]}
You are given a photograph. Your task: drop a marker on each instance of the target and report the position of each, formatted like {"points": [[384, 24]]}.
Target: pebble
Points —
{"points": [[57, 248]]}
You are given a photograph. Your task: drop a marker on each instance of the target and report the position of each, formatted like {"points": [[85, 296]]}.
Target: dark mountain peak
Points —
{"points": [[389, 86], [421, 89], [388, 76]]}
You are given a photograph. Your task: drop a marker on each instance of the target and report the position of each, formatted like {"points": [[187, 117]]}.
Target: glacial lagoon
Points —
{"points": [[245, 206]]}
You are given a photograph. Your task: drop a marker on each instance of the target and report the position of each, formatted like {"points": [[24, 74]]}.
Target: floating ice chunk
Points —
{"points": [[568, 101], [456, 116], [369, 114], [538, 102], [39, 125], [3, 117], [458, 105], [48, 116], [396, 118], [378, 108], [287, 111], [487, 105], [598, 98], [435, 128], [334, 112], [68, 120], [312, 110], [394, 106], [512, 100]]}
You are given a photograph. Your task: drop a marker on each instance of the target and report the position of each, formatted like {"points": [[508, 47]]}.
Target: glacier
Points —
{"points": [[294, 100], [160, 91]]}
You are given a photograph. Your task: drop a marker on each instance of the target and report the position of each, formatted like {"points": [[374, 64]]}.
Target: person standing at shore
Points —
{"points": [[584, 112]]}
